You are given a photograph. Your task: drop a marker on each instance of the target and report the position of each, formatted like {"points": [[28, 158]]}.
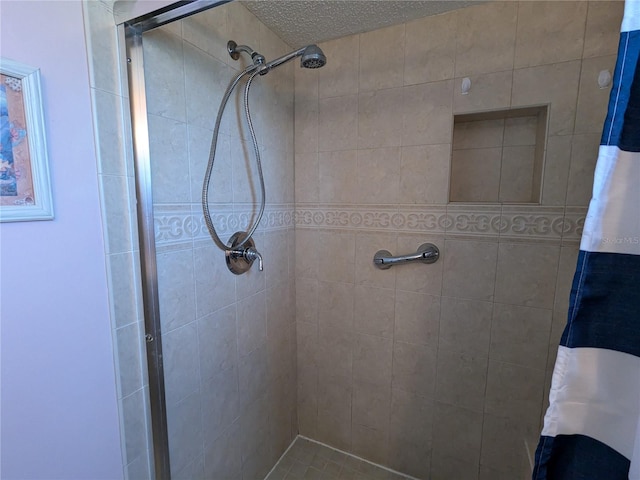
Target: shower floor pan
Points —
{"points": [[307, 459]]}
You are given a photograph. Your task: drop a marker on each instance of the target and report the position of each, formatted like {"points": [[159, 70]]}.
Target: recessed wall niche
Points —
{"points": [[498, 156]]}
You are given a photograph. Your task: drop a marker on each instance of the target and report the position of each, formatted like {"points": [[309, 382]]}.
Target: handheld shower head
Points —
{"points": [[313, 57]]}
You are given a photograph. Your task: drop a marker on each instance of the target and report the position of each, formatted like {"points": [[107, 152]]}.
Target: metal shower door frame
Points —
{"points": [[132, 31]]}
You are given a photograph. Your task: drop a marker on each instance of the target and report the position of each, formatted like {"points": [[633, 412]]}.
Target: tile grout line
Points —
{"points": [[390, 470]]}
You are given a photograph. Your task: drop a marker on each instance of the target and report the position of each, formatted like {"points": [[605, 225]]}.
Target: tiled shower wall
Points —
{"points": [[440, 371], [229, 342]]}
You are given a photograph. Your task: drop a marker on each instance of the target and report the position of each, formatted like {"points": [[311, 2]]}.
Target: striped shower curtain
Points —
{"points": [[592, 427]]}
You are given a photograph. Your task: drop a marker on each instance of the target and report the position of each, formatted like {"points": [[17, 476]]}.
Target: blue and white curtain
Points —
{"points": [[592, 427]]}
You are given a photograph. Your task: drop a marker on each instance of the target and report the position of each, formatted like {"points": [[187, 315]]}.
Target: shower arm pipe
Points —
{"points": [[207, 176]]}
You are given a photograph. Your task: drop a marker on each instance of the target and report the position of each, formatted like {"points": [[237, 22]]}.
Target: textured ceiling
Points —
{"points": [[302, 22]]}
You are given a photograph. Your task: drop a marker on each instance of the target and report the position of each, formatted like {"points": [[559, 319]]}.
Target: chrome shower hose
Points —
{"points": [[251, 70]]}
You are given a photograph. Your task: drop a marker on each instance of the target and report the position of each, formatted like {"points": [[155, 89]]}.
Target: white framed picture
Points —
{"points": [[25, 188]]}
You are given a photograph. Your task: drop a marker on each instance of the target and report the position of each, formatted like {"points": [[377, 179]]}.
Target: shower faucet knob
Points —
{"points": [[251, 255], [242, 253]]}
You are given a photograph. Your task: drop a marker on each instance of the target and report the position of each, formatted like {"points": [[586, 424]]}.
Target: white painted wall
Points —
{"points": [[59, 407]]}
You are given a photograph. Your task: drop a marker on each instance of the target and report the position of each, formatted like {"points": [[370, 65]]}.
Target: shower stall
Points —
{"points": [[437, 371]]}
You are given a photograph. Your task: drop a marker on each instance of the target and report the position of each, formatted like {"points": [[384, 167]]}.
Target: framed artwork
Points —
{"points": [[25, 189]]}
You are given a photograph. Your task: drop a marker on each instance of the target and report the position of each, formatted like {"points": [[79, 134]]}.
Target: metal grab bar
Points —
{"points": [[427, 253]]}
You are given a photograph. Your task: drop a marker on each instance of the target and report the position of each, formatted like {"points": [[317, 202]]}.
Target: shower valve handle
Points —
{"points": [[251, 254], [242, 253]]}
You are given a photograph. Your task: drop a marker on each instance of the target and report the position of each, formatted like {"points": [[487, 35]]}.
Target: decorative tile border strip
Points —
{"points": [[177, 224], [532, 222], [180, 224]]}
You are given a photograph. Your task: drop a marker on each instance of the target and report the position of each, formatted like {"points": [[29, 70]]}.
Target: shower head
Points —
{"points": [[313, 57]]}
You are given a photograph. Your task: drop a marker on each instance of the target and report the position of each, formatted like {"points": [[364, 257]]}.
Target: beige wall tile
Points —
{"points": [[223, 457], [410, 433], [488, 473], [542, 26], [584, 154], [459, 434], [335, 305], [177, 299], [556, 170], [278, 174], [217, 342], [307, 418], [520, 335], [338, 176], [371, 443], [334, 396], [334, 411], [276, 254], [371, 405], [168, 147], [593, 100], [205, 80], [417, 318], [307, 178], [208, 32], [478, 134], [527, 274], [427, 113], [252, 323], [338, 123], [429, 54], [380, 116], [516, 175], [215, 285], [379, 175], [306, 125], [514, 392], [555, 84], [339, 76], [461, 379], [307, 353], [602, 33], [372, 360], [475, 175], [374, 311], [384, 43], [335, 352], [486, 28], [414, 368], [221, 403], [465, 325], [306, 260], [338, 247], [489, 91], [424, 174], [166, 88], [503, 444], [469, 269], [443, 467], [253, 375], [520, 131]]}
